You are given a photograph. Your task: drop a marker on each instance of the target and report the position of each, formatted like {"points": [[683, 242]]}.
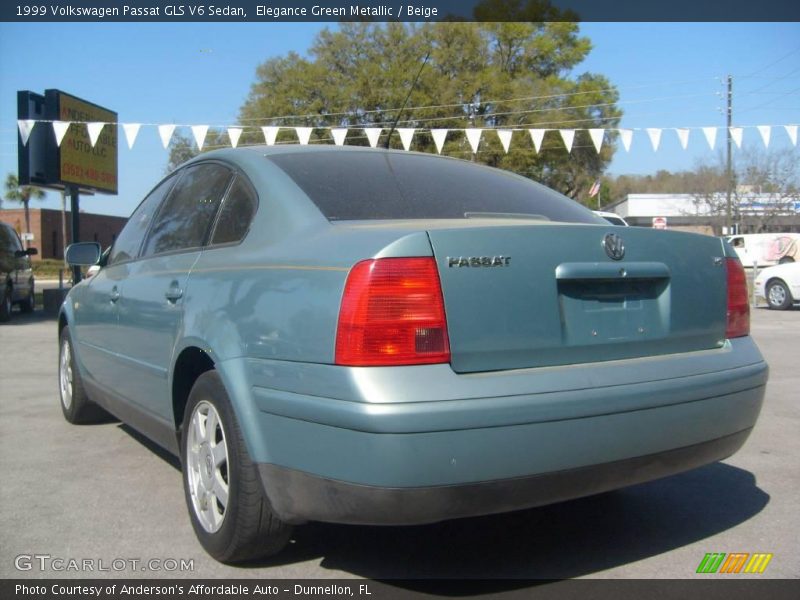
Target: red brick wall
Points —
{"points": [[46, 229]]}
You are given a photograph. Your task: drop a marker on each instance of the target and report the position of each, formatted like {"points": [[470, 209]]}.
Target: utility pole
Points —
{"points": [[728, 168]]}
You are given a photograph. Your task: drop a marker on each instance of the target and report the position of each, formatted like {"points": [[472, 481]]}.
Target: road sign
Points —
{"points": [[26, 237]]}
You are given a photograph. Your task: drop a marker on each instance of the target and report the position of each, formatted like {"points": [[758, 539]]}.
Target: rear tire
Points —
{"points": [[29, 303], [778, 295], [75, 403], [230, 513], [5, 304]]}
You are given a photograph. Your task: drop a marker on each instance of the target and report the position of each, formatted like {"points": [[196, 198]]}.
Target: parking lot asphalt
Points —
{"points": [[105, 494]]}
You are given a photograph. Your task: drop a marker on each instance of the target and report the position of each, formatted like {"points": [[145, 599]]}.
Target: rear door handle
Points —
{"points": [[174, 293], [114, 295]]}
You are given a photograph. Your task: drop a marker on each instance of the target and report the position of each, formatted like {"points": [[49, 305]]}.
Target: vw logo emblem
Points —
{"points": [[614, 246]]}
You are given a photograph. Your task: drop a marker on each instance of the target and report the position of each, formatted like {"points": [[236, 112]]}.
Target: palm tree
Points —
{"points": [[22, 193]]}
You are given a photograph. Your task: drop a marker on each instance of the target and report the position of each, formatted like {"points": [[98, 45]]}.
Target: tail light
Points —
{"points": [[738, 302], [392, 313]]}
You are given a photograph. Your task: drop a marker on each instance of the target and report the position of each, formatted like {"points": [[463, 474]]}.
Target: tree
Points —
{"points": [[484, 75], [23, 194]]}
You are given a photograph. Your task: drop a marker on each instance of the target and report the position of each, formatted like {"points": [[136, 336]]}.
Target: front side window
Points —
{"points": [[126, 246], [185, 219], [236, 213]]}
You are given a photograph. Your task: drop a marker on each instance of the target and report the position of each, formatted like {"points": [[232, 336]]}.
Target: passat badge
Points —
{"points": [[614, 246]]}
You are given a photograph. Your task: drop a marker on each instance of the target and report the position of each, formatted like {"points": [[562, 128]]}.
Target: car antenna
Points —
{"points": [[402, 108]]}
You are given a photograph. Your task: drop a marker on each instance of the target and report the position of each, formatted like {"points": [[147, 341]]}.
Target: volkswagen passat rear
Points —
{"points": [[388, 338]]}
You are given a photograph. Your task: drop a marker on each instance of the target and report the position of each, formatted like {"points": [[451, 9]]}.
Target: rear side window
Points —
{"points": [[185, 218], [367, 184], [236, 213], [8, 240], [126, 246]]}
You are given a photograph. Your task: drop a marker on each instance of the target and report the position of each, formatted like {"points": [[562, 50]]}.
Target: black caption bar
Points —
{"points": [[508, 589], [34, 11]]}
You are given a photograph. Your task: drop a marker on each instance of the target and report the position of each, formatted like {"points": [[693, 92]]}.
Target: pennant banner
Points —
{"points": [[25, 127], [655, 137], [406, 135], [439, 135], [736, 136], [683, 137], [711, 136], [165, 132], [597, 138], [505, 138], [766, 132], [234, 133], [131, 131], [270, 134], [791, 130], [537, 135], [199, 132], [94, 130], [474, 138], [60, 130], [626, 135], [303, 134], [373, 133], [338, 135], [568, 135]]}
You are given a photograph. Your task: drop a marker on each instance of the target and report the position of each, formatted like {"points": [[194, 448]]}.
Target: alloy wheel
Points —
{"points": [[207, 466]]}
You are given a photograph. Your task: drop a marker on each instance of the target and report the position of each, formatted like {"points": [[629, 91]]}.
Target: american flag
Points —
{"points": [[593, 191]]}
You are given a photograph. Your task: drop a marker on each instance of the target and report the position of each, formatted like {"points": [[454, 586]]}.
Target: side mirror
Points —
{"points": [[32, 251], [24, 253], [83, 254]]}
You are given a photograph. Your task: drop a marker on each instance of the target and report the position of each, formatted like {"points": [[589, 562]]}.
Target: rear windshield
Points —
{"points": [[386, 185]]}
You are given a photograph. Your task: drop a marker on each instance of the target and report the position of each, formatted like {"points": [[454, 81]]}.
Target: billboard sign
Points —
{"points": [[76, 162]]}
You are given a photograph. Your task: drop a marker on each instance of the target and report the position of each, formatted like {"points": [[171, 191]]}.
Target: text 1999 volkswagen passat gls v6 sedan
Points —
{"points": [[376, 337]]}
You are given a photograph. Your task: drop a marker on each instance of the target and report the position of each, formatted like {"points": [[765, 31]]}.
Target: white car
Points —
{"points": [[780, 285], [612, 218]]}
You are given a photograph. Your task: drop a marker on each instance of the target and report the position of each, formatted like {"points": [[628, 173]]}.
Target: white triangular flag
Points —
{"points": [[94, 130], [655, 137], [683, 136], [474, 138], [597, 138], [568, 135], [303, 134], [791, 130], [537, 135], [338, 136], [736, 136], [505, 138], [131, 131], [373, 133], [765, 131], [439, 136], [711, 136], [25, 128], [406, 135], [199, 132], [60, 129], [626, 135], [165, 131], [270, 134], [234, 133]]}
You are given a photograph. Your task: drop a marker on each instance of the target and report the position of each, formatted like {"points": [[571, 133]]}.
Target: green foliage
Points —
{"points": [[492, 75], [22, 194]]}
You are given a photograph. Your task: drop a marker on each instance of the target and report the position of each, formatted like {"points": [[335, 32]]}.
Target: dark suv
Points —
{"points": [[16, 276]]}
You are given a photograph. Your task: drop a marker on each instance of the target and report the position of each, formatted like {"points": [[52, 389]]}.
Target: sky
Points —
{"points": [[668, 75]]}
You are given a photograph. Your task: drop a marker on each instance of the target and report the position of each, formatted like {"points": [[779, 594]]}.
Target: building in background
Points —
{"points": [[46, 227], [752, 212]]}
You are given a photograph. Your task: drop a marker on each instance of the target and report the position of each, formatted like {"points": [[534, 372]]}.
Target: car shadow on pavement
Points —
{"points": [[565, 540], [163, 454], [21, 318]]}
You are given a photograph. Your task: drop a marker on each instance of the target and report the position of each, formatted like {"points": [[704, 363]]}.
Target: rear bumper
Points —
{"points": [[422, 444], [300, 497]]}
